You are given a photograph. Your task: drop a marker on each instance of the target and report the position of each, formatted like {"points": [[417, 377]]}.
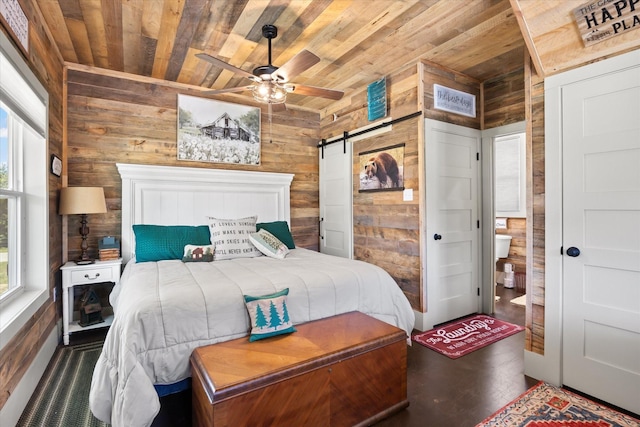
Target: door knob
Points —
{"points": [[437, 237], [573, 251]]}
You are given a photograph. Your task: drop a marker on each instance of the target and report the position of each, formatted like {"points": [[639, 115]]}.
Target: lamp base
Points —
{"points": [[85, 261]]}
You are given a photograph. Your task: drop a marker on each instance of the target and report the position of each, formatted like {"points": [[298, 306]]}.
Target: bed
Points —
{"points": [[166, 308]]}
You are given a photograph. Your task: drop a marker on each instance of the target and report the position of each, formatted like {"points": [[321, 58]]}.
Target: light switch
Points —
{"points": [[407, 195]]}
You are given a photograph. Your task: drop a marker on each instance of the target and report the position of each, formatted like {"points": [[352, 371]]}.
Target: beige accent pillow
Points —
{"points": [[230, 237]]}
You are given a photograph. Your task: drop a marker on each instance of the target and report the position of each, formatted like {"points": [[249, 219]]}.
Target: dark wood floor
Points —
{"points": [[462, 392], [442, 392]]}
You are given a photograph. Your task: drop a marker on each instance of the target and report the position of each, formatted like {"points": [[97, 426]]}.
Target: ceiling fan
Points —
{"points": [[271, 84]]}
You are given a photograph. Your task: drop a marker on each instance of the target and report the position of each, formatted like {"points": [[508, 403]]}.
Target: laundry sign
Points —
{"points": [[600, 20]]}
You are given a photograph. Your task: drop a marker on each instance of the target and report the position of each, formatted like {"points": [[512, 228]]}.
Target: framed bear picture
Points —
{"points": [[382, 169]]}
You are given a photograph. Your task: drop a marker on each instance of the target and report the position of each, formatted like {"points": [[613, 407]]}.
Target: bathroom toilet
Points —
{"points": [[503, 242]]}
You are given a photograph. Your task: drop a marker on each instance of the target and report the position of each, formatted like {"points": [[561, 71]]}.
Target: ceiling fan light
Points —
{"points": [[269, 93], [263, 89]]}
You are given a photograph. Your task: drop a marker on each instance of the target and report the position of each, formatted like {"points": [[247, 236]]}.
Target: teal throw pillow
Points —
{"points": [[280, 229], [163, 242], [269, 315]]}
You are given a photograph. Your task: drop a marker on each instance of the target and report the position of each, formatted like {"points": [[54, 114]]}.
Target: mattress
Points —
{"points": [[163, 310]]}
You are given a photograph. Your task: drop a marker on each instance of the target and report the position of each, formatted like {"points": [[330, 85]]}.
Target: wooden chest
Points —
{"points": [[345, 370]]}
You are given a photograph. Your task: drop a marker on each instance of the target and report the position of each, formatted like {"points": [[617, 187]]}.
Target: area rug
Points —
{"points": [[463, 336], [62, 396], [544, 405], [521, 300]]}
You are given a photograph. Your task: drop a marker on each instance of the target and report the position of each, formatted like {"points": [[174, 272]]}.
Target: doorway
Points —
{"points": [[452, 218], [488, 229]]}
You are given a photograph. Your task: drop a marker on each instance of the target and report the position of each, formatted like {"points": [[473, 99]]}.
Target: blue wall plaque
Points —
{"points": [[377, 99]]}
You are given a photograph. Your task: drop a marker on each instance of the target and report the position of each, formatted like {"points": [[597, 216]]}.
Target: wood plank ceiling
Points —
{"points": [[358, 41]]}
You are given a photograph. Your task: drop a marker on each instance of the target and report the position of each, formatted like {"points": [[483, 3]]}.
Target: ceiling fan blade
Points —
{"points": [[228, 90], [220, 63], [317, 91], [296, 65]]}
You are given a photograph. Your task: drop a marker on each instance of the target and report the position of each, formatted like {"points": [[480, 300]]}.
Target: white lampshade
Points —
{"points": [[82, 200]]}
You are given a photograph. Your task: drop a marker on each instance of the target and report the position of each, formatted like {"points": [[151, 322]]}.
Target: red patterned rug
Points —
{"points": [[544, 405], [463, 336]]}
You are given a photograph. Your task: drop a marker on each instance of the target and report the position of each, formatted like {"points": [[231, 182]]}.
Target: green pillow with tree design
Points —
{"points": [[269, 315]]}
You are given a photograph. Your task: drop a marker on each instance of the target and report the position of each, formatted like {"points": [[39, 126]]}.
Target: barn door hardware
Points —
{"points": [[346, 135]]}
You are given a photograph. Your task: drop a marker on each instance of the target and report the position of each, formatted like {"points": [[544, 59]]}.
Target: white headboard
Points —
{"points": [[168, 195]]}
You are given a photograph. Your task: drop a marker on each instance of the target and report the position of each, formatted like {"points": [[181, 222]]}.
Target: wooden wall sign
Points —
{"points": [[600, 20]]}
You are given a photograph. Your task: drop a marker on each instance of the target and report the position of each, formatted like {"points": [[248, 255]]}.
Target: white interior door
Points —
{"points": [[336, 190], [452, 221], [601, 220]]}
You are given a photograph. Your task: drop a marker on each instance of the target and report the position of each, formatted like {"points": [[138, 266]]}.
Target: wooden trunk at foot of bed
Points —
{"points": [[345, 370]]}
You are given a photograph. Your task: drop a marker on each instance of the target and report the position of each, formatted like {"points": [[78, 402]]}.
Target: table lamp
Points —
{"points": [[82, 201]]}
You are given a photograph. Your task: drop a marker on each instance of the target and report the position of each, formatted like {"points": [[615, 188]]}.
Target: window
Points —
{"points": [[11, 197], [510, 167], [24, 202]]}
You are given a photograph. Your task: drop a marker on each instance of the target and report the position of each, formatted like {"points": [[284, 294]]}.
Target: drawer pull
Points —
{"points": [[86, 276]]}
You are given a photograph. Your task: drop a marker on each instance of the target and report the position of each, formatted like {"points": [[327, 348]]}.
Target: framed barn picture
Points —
{"points": [[217, 132], [382, 169]]}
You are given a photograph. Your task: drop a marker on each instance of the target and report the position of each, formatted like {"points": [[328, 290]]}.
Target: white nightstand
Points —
{"points": [[78, 275]]}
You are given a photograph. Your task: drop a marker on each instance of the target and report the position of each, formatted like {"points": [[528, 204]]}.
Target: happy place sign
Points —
{"points": [[602, 19]]}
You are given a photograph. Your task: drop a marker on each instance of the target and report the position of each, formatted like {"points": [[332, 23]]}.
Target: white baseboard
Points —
{"points": [[539, 367], [13, 408], [421, 322]]}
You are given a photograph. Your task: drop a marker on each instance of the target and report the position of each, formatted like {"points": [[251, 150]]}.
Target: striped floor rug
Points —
{"points": [[62, 397]]}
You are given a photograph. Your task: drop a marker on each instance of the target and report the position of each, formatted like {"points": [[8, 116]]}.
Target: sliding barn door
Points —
{"points": [[336, 189]]}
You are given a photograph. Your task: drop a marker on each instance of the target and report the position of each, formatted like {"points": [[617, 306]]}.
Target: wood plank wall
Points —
{"points": [[512, 98], [386, 230], [504, 100], [436, 74], [46, 63], [504, 104], [120, 118], [534, 322]]}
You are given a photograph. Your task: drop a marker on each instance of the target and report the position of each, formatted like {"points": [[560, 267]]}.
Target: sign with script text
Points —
{"points": [[14, 16], [454, 101], [600, 20]]}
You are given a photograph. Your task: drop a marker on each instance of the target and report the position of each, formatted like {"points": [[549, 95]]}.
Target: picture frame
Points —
{"points": [[382, 169], [56, 165], [217, 132]]}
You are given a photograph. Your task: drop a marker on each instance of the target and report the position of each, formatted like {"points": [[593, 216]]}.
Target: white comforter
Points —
{"points": [[164, 310]]}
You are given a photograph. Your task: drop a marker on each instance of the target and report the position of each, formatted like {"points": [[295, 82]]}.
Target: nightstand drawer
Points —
{"points": [[92, 275]]}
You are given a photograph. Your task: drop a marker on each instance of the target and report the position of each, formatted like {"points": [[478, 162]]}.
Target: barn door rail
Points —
{"points": [[346, 135]]}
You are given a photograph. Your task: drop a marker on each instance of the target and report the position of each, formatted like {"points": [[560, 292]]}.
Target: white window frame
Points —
{"points": [[32, 235], [516, 163]]}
